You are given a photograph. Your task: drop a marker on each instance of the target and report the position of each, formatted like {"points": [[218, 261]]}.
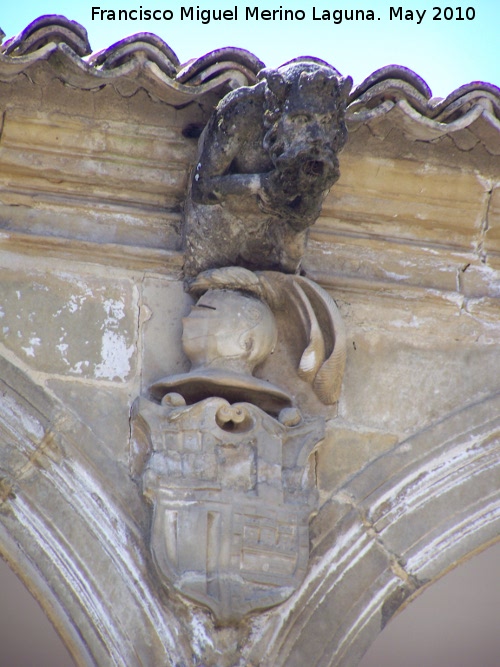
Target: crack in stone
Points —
{"points": [[138, 348], [479, 245], [410, 583], [47, 448], [6, 490], [139, 89], [396, 562]]}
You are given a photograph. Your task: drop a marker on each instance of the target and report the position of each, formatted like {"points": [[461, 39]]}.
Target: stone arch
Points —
{"points": [[393, 529], [396, 527], [71, 540]]}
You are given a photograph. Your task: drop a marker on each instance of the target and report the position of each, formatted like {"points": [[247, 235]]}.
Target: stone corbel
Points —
{"points": [[228, 445]]}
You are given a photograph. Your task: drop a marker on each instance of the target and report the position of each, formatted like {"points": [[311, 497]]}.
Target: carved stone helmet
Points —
{"points": [[225, 336], [229, 330]]}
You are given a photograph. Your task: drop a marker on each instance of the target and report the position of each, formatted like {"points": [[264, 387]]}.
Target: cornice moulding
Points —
{"points": [[116, 255], [115, 183], [393, 92]]}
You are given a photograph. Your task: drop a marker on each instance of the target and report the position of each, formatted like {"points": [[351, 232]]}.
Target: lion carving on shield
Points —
{"points": [[266, 160]]}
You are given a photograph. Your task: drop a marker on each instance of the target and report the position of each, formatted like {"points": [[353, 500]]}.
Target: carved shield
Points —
{"points": [[230, 523], [233, 557]]}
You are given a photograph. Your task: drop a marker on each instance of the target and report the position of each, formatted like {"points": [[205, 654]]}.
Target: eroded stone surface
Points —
{"points": [[343, 452], [266, 159], [164, 304], [407, 244], [68, 324], [94, 406]]}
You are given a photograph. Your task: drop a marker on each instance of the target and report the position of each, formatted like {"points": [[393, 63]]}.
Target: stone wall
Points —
{"points": [[93, 175]]}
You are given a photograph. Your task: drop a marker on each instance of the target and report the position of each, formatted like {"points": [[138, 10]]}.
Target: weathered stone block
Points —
{"points": [[69, 324], [164, 304], [344, 451], [405, 199]]}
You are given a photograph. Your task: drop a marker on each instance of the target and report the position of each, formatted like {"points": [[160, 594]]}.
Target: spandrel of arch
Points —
{"points": [[71, 540], [397, 526]]}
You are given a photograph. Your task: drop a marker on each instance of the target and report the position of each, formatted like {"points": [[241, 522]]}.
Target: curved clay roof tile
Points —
{"points": [[389, 89], [229, 54], [239, 75], [144, 44], [393, 73], [50, 28], [475, 91]]}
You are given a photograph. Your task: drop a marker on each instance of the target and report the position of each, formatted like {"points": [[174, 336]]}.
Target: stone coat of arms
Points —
{"points": [[230, 472], [230, 529]]}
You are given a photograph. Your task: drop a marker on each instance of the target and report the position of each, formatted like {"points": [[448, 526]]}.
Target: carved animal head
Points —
{"points": [[304, 118]]}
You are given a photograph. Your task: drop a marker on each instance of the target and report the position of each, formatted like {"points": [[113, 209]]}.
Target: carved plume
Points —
{"points": [[323, 361]]}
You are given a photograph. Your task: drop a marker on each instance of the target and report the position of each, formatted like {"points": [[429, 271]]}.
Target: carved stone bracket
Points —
{"points": [[266, 159], [229, 470]]}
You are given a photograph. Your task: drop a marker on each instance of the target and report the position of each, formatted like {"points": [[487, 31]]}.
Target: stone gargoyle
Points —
{"points": [[267, 158]]}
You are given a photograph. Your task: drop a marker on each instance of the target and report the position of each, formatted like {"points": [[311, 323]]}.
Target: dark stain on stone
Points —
{"points": [[394, 602]]}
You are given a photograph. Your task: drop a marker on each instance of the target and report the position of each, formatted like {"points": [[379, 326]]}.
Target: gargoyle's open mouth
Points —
{"points": [[313, 168]]}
